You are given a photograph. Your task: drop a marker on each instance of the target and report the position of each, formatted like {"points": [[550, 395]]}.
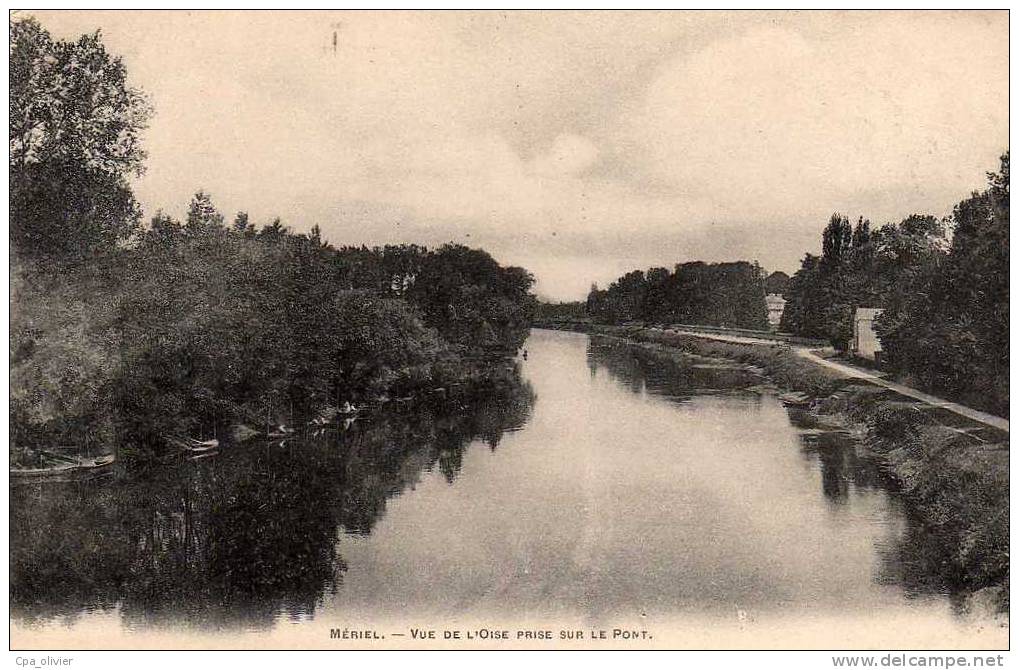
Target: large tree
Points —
{"points": [[859, 267], [471, 300], [946, 325], [75, 126]]}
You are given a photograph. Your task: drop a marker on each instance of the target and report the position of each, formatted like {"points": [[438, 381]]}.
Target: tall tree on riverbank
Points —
{"points": [[196, 323], [860, 267], [819, 304], [805, 301], [836, 241], [946, 325], [75, 126]]}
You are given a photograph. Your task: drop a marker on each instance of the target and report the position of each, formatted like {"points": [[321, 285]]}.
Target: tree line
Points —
{"points": [[124, 332], [943, 286], [717, 294]]}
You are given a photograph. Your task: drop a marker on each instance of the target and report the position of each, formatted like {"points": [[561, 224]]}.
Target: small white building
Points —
{"points": [[865, 342], [776, 305]]}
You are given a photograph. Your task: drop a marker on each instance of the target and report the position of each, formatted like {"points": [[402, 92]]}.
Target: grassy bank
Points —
{"points": [[776, 361], [952, 472]]}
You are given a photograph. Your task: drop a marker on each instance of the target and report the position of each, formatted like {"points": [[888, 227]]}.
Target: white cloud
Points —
{"points": [[776, 118]]}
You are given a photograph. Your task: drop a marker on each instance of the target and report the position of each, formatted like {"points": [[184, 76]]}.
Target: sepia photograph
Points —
{"points": [[509, 330]]}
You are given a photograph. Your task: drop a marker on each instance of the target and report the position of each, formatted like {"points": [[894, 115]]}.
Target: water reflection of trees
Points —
{"points": [[920, 561], [841, 465], [912, 555], [675, 376], [241, 538], [928, 560]]}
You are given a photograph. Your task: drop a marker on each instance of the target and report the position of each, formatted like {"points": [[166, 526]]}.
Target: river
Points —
{"points": [[605, 489]]}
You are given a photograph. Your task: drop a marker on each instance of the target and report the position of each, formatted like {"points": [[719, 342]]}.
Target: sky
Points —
{"points": [[579, 145]]}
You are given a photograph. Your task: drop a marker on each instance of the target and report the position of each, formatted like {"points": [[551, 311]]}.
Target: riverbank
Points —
{"points": [[953, 472], [638, 491], [190, 333]]}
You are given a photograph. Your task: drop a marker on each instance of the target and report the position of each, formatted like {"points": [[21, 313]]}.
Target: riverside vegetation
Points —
{"points": [[942, 283], [124, 333]]}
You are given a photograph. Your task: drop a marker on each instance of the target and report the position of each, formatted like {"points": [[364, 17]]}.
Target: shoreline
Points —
{"points": [[952, 473]]}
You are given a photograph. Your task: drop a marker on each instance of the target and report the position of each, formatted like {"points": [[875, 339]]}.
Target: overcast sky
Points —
{"points": [[579, 145]]}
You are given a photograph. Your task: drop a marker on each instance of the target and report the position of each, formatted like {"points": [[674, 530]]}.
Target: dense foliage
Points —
{"points": [[74, 139], [122, 335], [943, 285], [946, 325], [719, 294], [548, 313], [777, 282], [199, 324]]}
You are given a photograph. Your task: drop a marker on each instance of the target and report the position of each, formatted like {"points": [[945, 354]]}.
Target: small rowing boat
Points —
{"points": [[84, 467], [191, 445], [794, 399], [280, 431]]}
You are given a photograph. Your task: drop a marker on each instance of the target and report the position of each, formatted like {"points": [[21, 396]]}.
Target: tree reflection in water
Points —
{"points": [[913, 555], [244, 537], [842, 466], [676, 378]]}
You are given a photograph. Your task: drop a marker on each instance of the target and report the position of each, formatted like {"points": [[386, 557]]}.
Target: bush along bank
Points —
{"points": [[134, 340], [952, 472], [193, 334]]}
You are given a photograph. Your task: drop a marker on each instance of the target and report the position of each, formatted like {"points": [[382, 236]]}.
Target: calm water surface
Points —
{"points": [[604, 487]]}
